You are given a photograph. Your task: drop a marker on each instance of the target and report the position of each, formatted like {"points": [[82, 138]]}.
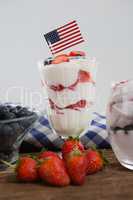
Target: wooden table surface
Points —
{"points": [[113, 183]]}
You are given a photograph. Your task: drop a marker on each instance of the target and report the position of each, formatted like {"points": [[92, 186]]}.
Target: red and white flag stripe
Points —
{"points": [[70, 35]]}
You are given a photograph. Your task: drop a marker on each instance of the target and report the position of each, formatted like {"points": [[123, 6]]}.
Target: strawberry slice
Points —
{"points": [[77, 53], [76, 106], [60, 59], [84, 76]]}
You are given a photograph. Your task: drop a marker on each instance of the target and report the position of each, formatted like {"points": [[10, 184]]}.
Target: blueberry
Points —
{"points": [[9, 107], [48, 61], [7, 116], [11, 116], [3, 109], [13, 110], [2, 117], [29, 113], [18, 107], [24, 112], [4, 112]]}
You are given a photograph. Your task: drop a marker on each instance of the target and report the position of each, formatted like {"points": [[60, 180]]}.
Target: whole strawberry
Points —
{"points": [[26, 169], [52, 171], [70, 144], [46, 154], [95, 161], [76, 166]]}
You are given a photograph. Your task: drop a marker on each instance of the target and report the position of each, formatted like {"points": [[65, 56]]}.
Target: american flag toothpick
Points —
{"points": [[64, 37]]}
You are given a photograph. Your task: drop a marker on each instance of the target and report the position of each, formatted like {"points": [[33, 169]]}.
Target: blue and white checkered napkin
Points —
{"points": [[41, 135]]}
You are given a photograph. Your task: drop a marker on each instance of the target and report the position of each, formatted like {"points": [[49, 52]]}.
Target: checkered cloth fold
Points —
{"points": [[41, 134]]}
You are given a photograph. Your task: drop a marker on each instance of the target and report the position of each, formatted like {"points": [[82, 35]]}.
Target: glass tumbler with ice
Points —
{"points": [[120, 122]]}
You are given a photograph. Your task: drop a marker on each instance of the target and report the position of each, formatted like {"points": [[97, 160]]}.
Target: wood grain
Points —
{"points": [[112, 183]]}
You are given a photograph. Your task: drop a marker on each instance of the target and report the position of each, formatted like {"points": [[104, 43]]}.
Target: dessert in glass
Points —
{"points": [[120, 122], [69, 82]]}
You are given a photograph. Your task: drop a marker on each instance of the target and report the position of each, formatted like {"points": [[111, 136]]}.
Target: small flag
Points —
{"points": [[64, 37]]}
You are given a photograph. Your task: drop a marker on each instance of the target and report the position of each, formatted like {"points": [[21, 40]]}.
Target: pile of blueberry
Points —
{"points": [[11, 112]]}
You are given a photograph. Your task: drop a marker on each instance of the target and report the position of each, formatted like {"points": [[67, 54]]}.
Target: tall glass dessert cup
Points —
{"points": [[69, 85]]}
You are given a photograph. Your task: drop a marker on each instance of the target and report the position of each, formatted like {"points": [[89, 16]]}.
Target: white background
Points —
{"points": [[107, 26]]}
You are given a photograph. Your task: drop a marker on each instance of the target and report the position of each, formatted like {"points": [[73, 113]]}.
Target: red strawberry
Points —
{"points": [[95, 161], [77, 53], [53, 172], [27, 169], [47, 154], [60, 59], [70, 144], [76, 166]]}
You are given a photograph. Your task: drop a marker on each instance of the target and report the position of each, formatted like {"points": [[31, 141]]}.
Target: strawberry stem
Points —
{"points": [[32, 155], [104, 157], [73, 138], [43, 149], [102, 153]]}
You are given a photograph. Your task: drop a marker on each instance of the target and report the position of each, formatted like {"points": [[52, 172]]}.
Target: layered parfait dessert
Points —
{"points": [[69, 80], [120, 122]]}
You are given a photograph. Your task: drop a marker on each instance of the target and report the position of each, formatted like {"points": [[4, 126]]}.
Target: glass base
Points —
{"points": [[64, 137], [127, 165]]}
